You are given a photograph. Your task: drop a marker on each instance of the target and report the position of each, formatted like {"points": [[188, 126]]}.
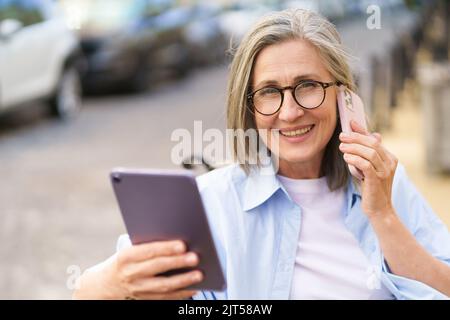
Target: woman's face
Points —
{"points": [[286, 64]]}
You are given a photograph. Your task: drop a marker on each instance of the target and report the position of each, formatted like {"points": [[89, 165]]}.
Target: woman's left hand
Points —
{"points": [[366, 152]]}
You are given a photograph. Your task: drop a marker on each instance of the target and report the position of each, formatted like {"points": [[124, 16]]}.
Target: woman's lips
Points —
{"points": [[297, 134]]}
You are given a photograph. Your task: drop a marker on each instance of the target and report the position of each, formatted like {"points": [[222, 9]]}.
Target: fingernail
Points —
{"points": [[344, 135], [197, 276], [356, 124], [180, 247], [191, 258]]}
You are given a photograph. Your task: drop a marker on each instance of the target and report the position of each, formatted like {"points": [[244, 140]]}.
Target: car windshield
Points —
{"points": [[102, 16], [110, 14]]}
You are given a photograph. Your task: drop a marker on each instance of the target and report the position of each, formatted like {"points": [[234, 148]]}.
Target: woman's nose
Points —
{"points": [[290, 110]]}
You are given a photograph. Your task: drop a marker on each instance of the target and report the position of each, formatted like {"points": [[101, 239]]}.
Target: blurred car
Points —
{"points": [[334, 10], [129, 43], [207, 43], [39, 57], [239, 16]]}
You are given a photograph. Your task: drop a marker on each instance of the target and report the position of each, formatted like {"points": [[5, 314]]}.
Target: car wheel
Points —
{"points": [[66, 103]]}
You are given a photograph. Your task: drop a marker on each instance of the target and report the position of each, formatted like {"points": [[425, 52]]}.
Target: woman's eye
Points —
{"points": [[268, 91], [309, 85]]}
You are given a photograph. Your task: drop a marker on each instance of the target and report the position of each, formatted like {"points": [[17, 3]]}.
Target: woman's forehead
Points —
{"points": [[287, 61]]}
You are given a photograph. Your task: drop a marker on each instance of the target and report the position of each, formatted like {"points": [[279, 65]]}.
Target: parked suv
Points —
{"points": [[129, 44], [39, 57]]}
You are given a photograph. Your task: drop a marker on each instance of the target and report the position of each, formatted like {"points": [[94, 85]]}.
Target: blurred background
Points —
{"points": [[88, 85]]}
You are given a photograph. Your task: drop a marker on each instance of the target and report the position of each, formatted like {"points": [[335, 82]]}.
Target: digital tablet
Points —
{"points": [[158, 205]]}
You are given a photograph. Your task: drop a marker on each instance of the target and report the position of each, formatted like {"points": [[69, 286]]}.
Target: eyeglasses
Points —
{"points": [[308, 94]]}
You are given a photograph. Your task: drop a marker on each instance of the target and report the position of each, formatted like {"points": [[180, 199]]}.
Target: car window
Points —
{"points": [[106, 14], [156, 7], [10, 9], [26, 11], [173, 18]]}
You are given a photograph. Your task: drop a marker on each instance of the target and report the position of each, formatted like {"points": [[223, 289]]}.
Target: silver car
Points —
{"points": [[39, 57]]}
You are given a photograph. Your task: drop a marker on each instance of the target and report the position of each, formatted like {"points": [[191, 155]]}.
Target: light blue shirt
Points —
{"points": [[256, 225]]}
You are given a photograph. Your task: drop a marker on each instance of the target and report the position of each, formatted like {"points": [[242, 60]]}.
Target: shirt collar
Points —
{"points": [[353, 193], [262, 183]]}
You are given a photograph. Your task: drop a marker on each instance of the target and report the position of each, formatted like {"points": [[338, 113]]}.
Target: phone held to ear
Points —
{"points": [[350, 108]]}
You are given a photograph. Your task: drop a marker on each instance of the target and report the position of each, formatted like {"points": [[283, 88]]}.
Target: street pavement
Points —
{"points": [[57, 205]]}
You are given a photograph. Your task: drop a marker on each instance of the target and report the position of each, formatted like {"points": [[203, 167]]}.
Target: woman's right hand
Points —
{"points": [[134, 274]]}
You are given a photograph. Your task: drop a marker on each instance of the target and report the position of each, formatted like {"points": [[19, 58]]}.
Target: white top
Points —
{"points": [[329, 263]]}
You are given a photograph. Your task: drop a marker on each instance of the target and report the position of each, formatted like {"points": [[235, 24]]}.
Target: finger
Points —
{"points": [[159, 265], [356, 127], [177, 295], [377, 136], [176, 282], [146, 251], [393, 160], [362, 164], [366, 140], [167, 285], [366, 153]]}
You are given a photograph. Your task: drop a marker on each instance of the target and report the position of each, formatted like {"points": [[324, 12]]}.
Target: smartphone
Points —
{"points": [[350, 108], [158, 205]]}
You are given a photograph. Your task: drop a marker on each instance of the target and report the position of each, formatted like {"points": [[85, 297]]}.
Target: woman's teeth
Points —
{"points": [[295, 133]]}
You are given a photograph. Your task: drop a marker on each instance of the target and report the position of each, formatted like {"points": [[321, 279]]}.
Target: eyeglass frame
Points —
{"points": [[281, 90]]}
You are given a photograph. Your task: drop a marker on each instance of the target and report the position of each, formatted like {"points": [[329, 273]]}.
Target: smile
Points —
{"points": [[296, 133]]}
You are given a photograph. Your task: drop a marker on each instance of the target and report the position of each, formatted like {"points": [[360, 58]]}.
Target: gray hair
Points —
{"points": [[275, 28]]}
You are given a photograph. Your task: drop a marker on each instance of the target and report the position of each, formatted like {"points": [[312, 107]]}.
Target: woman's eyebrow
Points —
{"points": [[308, 76]]}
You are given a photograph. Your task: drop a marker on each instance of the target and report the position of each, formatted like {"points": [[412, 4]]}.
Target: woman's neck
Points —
{"points": [[300, 170]]}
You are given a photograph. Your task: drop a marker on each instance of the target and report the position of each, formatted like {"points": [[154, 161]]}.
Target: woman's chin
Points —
{"points": [[295, 156]]}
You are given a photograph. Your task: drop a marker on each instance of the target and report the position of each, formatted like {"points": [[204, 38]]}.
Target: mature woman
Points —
{"points": [[307, 229]]}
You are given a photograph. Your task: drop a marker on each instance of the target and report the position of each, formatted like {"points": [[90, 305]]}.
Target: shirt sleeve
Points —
{"points": [[428, 230], [204, 295], [122, 242]]}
